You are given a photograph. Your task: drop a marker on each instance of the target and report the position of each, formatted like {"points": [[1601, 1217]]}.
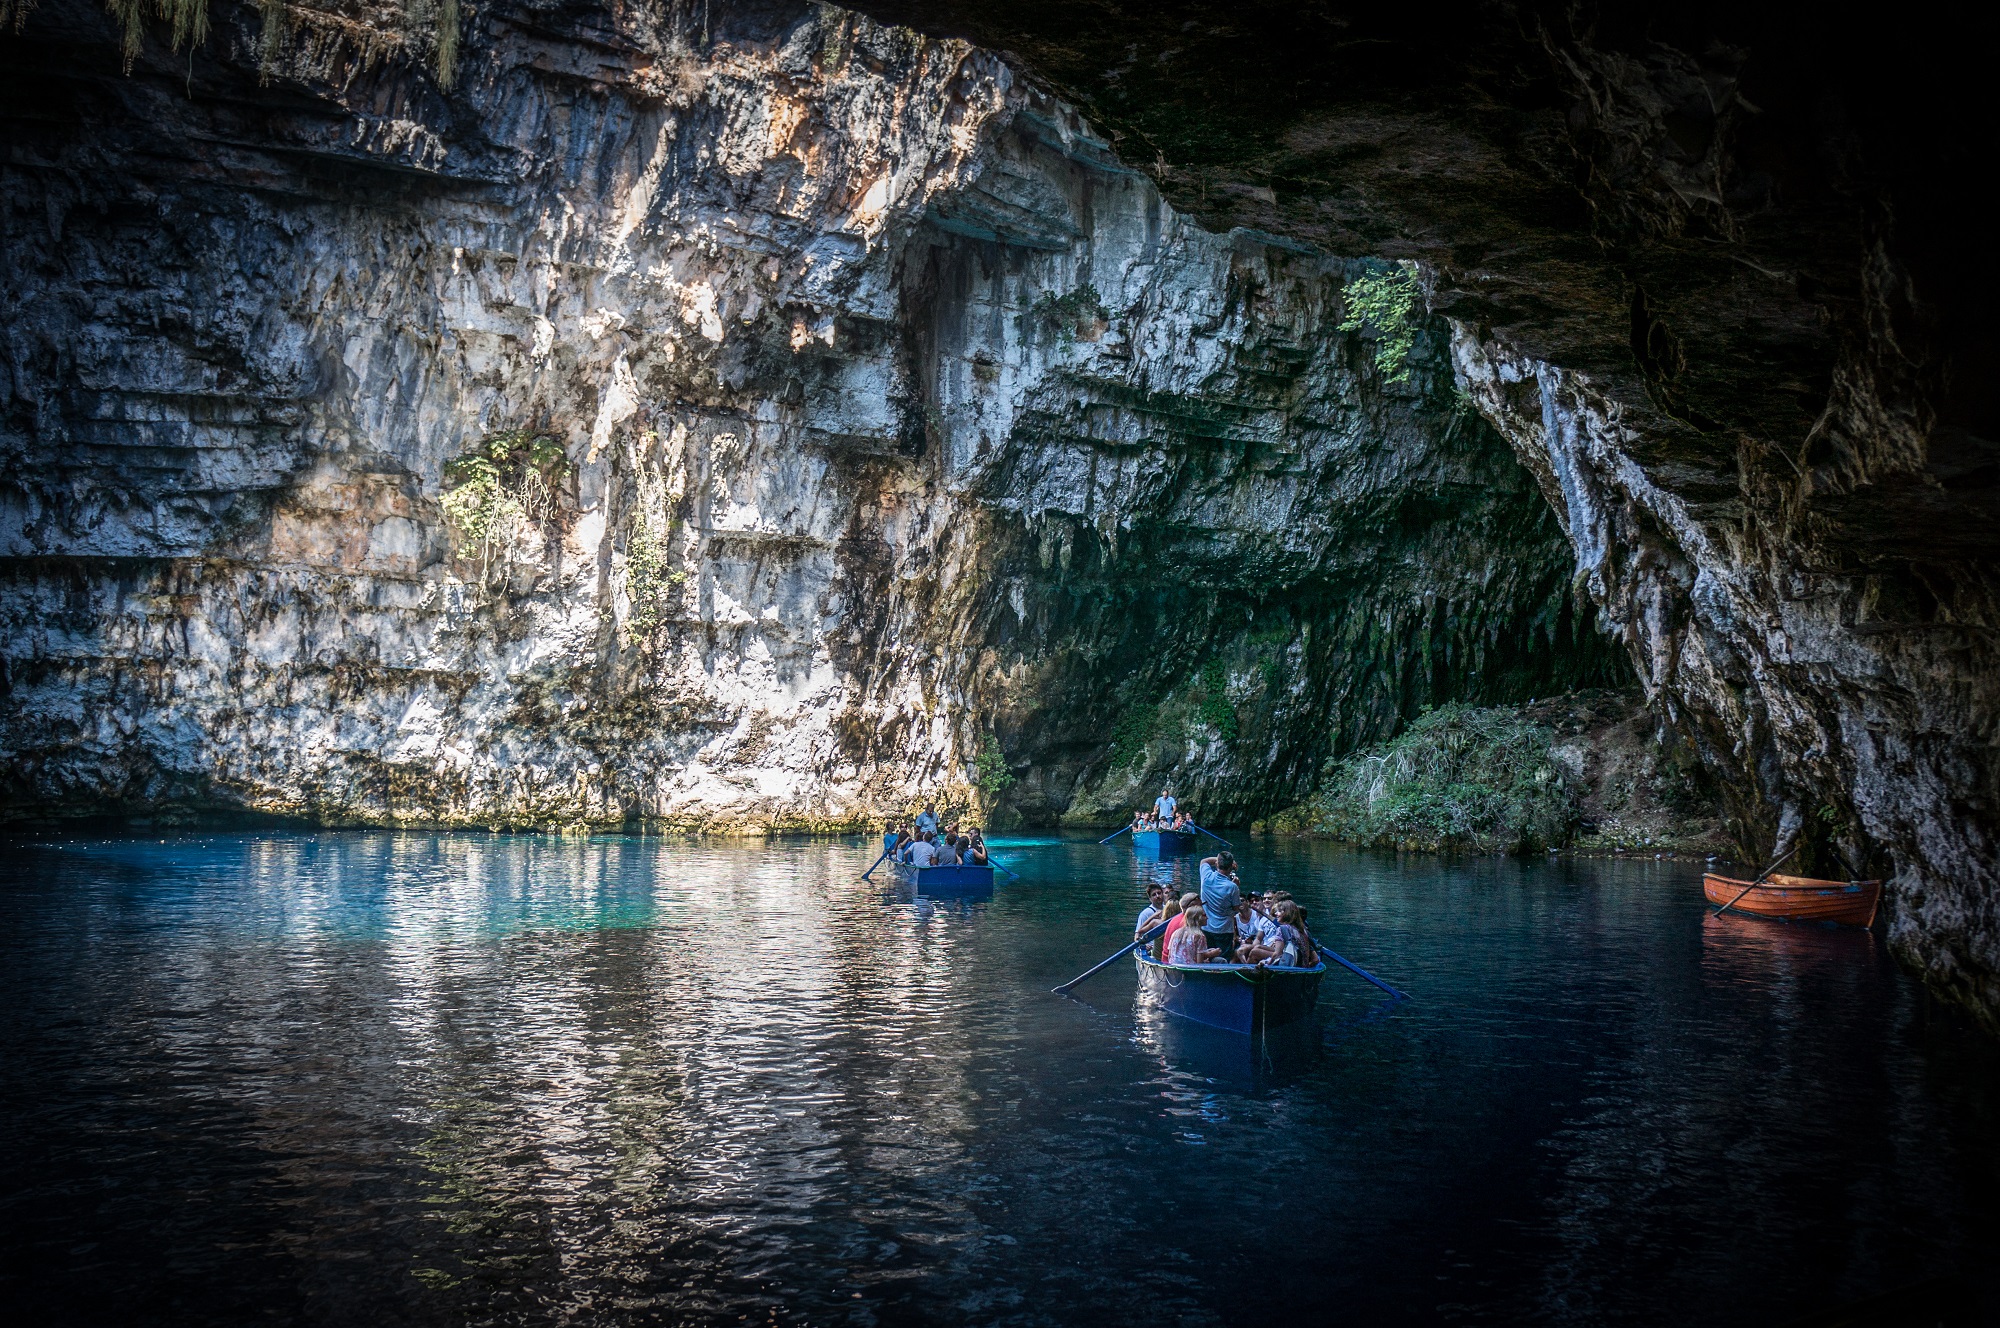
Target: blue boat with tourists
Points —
{"points": [[1165, 843], [1241, 998], [954, 880]]}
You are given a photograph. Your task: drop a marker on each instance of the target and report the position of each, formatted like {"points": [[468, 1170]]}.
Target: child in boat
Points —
{"points": [[1190, 944]]}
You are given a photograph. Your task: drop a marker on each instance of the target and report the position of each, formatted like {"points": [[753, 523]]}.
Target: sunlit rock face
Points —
{"points": [[899, 421]]}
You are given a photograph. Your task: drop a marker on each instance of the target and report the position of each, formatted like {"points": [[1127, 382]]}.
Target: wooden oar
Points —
{"points": [[1108, 838], [1145, 936], [878, 862], [1212, 835], [1759, 881]]}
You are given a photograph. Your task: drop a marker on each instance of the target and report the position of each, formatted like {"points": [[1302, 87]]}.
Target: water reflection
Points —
{"points": [[444, 1079]]}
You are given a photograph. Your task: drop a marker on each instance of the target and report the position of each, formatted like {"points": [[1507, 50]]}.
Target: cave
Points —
{"points": [[837, 400]]}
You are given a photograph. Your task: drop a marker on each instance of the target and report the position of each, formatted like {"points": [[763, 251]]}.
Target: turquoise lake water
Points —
{"points": [[374, 1078]]}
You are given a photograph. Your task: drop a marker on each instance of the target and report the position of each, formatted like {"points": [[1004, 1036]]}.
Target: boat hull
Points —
{"points": [[1234, 997], [1798, 898], [945, 880], [1164, 843]]}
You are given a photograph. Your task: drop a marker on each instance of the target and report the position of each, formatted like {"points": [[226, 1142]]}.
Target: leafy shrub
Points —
{"points": [[989, 768], [1071, 315], [1383, 308], [508, 480], [1459, 777]]}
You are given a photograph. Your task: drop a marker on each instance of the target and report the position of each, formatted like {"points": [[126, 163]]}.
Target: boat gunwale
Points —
{"points": [[1796, 883], [1276, 970]]}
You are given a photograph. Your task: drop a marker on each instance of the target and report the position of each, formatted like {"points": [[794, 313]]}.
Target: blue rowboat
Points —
{"points": [[1238, 997], [1163, 843], [945, 880]]}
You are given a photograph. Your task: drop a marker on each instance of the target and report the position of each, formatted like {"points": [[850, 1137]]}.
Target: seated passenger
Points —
{"points": [[1298, 946], [1170, 914], [974, 849], [923, 853], [1257, 940], [1190, 944], [1155, 909], [947, 852], [1177, 919]]}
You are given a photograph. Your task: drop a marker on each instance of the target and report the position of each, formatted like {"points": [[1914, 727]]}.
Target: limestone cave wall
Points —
{"points": [[895, 421]]}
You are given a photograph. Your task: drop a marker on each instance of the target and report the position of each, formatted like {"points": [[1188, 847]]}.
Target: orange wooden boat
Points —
{"points": [[1798, 898]]}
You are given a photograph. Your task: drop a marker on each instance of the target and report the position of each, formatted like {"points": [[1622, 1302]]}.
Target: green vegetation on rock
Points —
{"points": [[1136, 726], [1071, 315], [989, 768], [507, 480], [651, 581], [1214, 709], [1382, 306], [1459, 777]]}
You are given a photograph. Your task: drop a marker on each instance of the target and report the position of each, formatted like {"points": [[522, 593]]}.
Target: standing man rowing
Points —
{"points": [[1163, 807]]}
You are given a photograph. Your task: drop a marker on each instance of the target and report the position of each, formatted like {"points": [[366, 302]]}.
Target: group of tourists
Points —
{"points": [[924, 843], [1166, 814], [1225, 924]]}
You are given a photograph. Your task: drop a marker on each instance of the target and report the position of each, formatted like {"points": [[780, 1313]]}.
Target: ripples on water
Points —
{"points": [[374, 1079]]}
